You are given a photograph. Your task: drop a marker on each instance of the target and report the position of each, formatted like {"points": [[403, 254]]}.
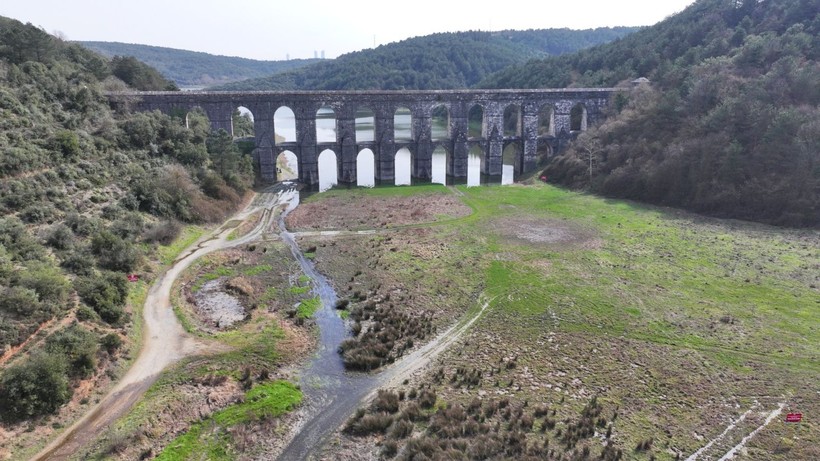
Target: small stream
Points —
{"points": [[331, 393]]}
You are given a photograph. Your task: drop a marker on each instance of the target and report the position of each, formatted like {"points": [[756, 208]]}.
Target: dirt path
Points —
{"points": [[164, 339]]}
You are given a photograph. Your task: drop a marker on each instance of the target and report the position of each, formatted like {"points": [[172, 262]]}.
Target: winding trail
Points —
{"points": [[332, 392], [164, 340]]}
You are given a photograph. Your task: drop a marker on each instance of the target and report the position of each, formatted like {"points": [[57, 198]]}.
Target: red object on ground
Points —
{"points": [[544, 178], [133, 277], [794, 417]]}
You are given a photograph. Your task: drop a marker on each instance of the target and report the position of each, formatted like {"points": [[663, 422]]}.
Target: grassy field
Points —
{"points": [[677, 323]]}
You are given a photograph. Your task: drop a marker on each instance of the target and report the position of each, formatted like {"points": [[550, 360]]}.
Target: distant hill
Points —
{"points": [[438, 61], [730, 125], [193, 68]]}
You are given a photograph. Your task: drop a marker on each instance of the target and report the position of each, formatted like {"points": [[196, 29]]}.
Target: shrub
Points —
{"points": [[38, 213], [60, 237], [111, 342], [401, 429], [369, 424], [129, 227], [82, 225], [427, 398], [35, 387], [50, 285], [79, 262], [163, 233], [20, 301], [78, 346], [105, 293], [389, 449], [386, 401], [85, 314], [67, 143], [114, 253]]}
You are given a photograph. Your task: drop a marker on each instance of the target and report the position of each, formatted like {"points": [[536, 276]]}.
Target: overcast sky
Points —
{"points": [[275, 29]]}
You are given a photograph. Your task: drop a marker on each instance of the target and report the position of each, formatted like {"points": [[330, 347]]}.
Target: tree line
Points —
{"points": [[437, 61]]}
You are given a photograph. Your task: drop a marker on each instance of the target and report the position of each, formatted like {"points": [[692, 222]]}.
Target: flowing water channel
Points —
{"points": [[332, 394]]}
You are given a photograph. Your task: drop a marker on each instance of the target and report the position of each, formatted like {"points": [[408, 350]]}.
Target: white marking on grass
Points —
{"points": [[718, 438], [731, 453]]}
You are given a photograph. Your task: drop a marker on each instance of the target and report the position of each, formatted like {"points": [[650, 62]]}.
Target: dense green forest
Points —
{"points": [[193, 68], [730, 125], [87, 196], [438, 61]]}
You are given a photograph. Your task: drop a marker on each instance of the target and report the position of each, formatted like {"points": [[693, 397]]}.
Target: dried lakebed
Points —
{"points": [[332, 392]]}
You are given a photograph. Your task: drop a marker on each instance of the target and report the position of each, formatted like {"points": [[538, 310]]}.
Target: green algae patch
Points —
{"points": [[210, 438]]}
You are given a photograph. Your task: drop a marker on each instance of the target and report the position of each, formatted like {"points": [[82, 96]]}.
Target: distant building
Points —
{"points": [[323, 54], [640, 81], [315, 54]]}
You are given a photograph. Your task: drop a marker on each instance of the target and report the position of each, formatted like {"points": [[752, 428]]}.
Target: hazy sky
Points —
{"points": [[274, 29]]}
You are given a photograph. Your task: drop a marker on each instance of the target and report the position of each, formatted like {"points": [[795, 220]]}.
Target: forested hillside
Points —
{"points": [[730, 125], [87, 196], [438, 61], [193, 68]]}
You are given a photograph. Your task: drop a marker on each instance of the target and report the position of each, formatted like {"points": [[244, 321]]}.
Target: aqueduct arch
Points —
{"points": [[475, 123]]}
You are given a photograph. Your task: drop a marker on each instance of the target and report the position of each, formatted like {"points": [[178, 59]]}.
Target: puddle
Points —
{"points": [[217, 307]]}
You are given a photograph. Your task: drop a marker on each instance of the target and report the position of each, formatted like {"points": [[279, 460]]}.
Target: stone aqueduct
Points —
{"points": [[529, 105]]}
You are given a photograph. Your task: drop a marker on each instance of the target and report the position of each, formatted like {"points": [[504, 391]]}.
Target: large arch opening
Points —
{"points": [[475, 159], [328, 170], [475, 123], [439, 166], [440, 124], [512, 121], [365, 125], [546, 121], [325, 125], [242, 123], [402, 125], [509, 162], [366, 168], [403, 167], [284, 125], [287, 166], [578, 118]]}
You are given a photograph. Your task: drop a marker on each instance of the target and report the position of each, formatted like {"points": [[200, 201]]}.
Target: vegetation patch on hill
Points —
{"points": [[728, 125], [88, 197]]}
